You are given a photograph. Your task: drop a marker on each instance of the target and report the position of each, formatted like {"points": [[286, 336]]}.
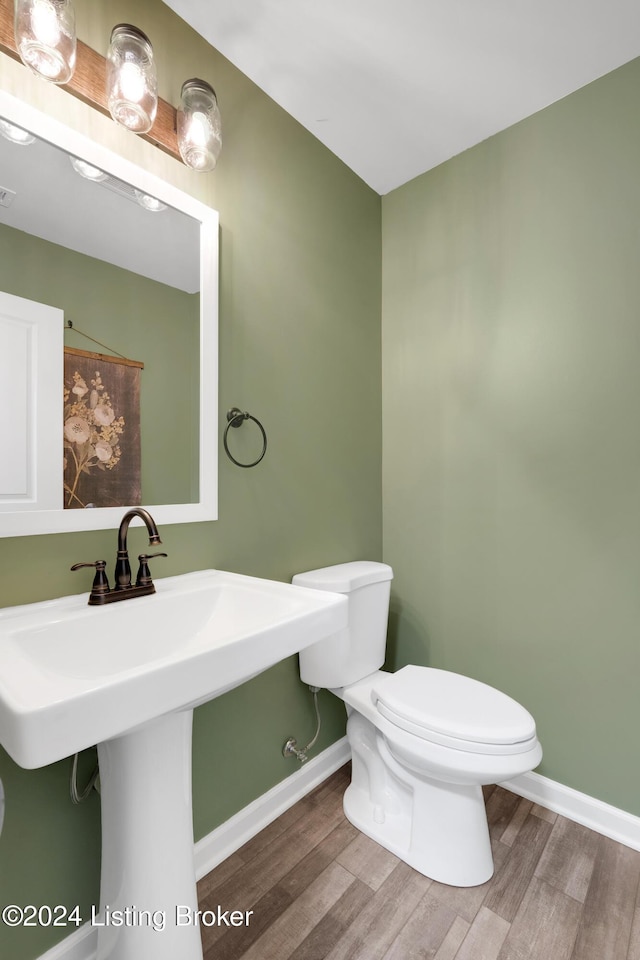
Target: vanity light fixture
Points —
{"points": [[45, 35], [87, 82], [132, 83], [199, 125], [15, 134]]}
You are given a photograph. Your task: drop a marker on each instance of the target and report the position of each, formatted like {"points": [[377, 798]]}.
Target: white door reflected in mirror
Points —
{"points": [[31, 430]]}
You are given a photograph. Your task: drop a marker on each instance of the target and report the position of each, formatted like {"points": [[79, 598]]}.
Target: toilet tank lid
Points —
{"points": [[344, 577]]}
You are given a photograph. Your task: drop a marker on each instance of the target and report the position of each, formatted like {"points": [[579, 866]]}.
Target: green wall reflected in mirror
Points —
{"points": [[139, 318]]}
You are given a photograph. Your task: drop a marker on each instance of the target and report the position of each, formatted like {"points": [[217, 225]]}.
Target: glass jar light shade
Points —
{"points": [[199, 126], [45, 34], [132, 84]]}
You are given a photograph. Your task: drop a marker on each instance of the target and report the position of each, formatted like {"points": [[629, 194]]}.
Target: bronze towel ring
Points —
{"points": [[236, 418]]}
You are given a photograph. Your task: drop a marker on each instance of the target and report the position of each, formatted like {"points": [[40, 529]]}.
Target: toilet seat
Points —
{"points": [[454, 711]]}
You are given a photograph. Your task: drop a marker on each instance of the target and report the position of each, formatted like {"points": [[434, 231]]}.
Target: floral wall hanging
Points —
{"points": [[101, 430]]}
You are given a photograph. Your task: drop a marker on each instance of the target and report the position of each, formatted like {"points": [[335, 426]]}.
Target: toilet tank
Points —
{"points": [[358, 650]]}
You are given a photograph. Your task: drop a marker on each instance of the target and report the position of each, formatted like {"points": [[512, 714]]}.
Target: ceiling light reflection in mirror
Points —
{"points": [[55, 205]]}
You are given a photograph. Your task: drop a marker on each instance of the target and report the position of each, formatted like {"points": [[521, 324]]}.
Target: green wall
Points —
{"points": [[140, 319], [511, 386], [300, 348], [511, 463]]}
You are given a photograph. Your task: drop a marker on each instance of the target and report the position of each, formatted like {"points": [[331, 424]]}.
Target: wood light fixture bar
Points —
{"points": [[88, 84]]}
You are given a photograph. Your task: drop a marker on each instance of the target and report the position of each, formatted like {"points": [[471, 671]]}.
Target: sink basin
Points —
{"points": [[72, 676], [126, 677]]}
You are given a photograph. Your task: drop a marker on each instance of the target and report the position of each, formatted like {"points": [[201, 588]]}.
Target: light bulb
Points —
{"points": [[131, 82], [199, 129]]}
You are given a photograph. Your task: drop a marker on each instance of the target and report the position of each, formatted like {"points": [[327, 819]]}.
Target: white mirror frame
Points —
{"points": [[26, 523]]}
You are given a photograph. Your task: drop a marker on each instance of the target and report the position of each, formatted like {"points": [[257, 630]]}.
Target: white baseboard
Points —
{"points": [[80, 945], [601, 817], [229, 836]]}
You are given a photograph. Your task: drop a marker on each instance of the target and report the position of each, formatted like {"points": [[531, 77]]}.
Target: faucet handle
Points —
{"points": [[143, 578], [100, 582]]}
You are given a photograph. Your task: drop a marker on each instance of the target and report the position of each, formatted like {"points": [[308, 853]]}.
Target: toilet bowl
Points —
{"points": [[423, 741]]}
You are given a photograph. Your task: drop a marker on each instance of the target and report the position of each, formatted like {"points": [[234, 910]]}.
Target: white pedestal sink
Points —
{"points": [[126, 677]]}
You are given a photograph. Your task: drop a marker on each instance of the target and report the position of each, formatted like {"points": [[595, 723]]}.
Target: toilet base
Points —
{"points": [[440, 829]]}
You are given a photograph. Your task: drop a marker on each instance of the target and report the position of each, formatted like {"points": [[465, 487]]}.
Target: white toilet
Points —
{"points": [[423, 741]]}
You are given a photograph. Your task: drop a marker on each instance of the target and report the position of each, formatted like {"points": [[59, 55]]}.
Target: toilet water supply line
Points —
{"points": [[290, 749], [76, 795]]}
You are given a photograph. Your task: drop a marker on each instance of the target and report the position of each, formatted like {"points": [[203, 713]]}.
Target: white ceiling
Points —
{"points": [[395, 87]]}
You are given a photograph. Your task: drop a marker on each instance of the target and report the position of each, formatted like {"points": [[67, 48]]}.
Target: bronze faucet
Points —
{"points": [[123, 588]]}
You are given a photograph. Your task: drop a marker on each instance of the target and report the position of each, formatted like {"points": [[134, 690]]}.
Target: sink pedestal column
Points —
{"points": [[148, 897]]}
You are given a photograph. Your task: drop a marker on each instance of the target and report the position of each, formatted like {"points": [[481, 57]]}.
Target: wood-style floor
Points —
{"points": [[320, 889]]}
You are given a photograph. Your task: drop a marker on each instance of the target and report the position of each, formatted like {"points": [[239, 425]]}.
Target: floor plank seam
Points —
{"points": [[320, 890]]}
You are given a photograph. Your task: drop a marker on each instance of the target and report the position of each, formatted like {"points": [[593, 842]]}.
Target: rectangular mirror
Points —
{"points": [[108, 337]]}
